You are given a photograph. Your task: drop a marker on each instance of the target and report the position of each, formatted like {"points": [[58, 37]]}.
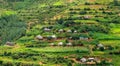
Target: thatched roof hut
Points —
{"points": [[83, 60], [69, 31], [91, 59], [39, 37], [47, 29], [69, 44], [100, 45], [61, 30], [83, 38], [86, 17], [60, 43], [75, 31], [54, 36], [10, 43]]}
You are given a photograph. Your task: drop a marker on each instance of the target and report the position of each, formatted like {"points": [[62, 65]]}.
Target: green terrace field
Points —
{"points": [[39, 54], [59, 33], [61, 49]]}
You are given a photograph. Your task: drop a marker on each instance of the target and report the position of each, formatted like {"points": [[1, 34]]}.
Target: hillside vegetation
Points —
{"points": [[59, 32]]}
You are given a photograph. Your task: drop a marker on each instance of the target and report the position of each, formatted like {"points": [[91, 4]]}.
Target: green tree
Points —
{"points": [[11, 28], [116, 2]]}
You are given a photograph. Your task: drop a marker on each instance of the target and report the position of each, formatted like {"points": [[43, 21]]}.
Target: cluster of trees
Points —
{"points": [[22, 55], [8, 63], [87, 28], [30, 55], [103, 48], [11, 28], [115, 20], [115, 53], [88, 3], [21, 4], [82, 12], [102, 63], [116, 2], [58, 60]]}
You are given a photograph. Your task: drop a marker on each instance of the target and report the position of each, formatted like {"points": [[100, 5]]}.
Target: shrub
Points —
{"points": [[7, 53], [101, 9], [87, 3], [86, 8], [15, 56], [26, 64], [1, 62], [110, 48], [73, 12], [101, 49], [17, 63], [7, 64], [116, 2], [116, 20], [60, 21], [69, 23], [83, 12]]}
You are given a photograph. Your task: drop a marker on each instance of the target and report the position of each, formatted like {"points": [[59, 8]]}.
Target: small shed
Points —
{"points": [[86, 17], [61, 30], [10, 43], [54, 36], [47, 29], [39, 37], [75, 31], [69, 44], [100, 45], [69, 31], [91, 59], [83, 60], [83, 38], [60, 43]]}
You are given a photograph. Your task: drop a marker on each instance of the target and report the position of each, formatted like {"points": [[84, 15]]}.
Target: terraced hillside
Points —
{"points": [[62, 33]]}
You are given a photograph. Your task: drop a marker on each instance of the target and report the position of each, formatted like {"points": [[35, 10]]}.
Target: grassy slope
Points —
{"points": [[110, 42]]}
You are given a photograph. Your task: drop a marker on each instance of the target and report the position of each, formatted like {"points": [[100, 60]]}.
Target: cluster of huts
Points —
{"points": [[60, 30], [68, 31], [93, 60], [103, 47], [61, 44], [39, 37]]}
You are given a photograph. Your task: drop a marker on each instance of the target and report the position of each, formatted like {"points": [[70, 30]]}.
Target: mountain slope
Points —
{"points": [[60, 33]]}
